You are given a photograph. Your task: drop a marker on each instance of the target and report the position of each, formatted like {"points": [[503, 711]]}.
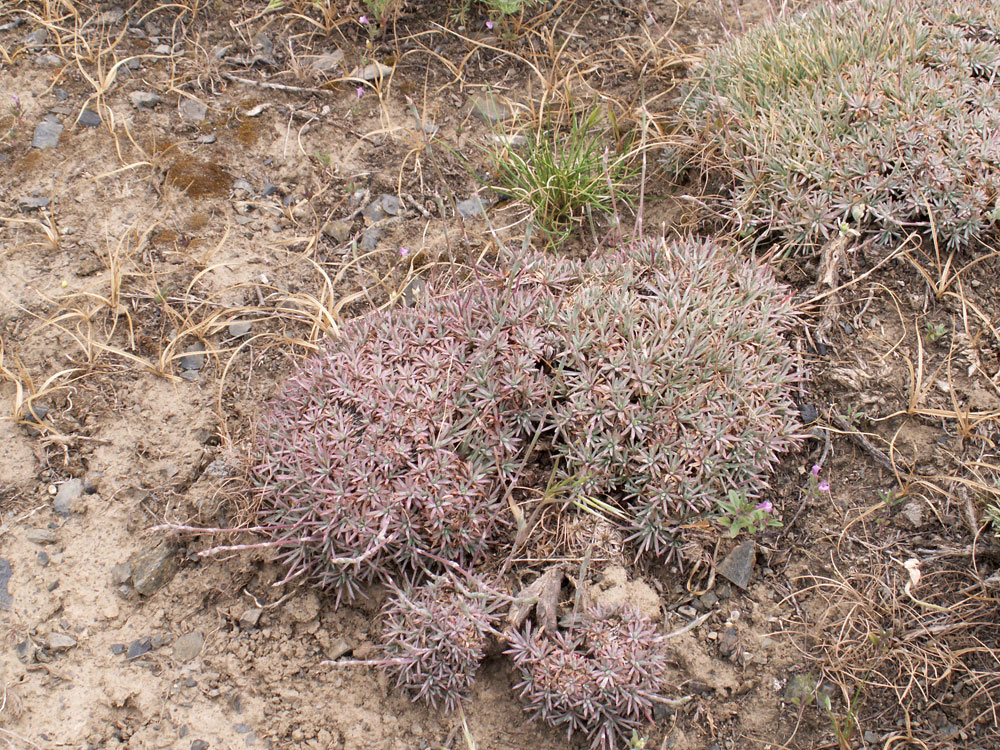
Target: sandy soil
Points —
{"points": [[227, 203]]}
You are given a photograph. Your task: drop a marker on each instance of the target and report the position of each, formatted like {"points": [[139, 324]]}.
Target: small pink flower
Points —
{"points": [[489, 25], [767, 506], [816, 470], [403, 252], [824, 486], [361, 91], [364, 20]]}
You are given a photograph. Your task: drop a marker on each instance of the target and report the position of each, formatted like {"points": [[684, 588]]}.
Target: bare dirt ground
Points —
{"points": [[205, 217]]}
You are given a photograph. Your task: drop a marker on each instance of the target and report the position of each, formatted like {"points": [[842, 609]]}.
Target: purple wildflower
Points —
{"points": [[816, 470], [489, 25], [823, 486], [361, 91], [364, 20], [767, 506]]}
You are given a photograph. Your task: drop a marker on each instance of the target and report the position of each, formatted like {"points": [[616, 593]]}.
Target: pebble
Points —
{"points": [[340, 648], [133, 63], [384, 205], [188, 646], [238, 330], [808, 413], [729, 641], [471, 207], [145, 99], [32, 203], [117, 649], [250, 618], [490, 109], [371, 72], [738, 566], [60, 94], [414, 292], [339, 231], [153, 568], [162, 49], [192, 110], [43, 559], [269, 190], [69, 492], [50, 60], [159, 640], [193, 359], [206, 139], [241, 184], [262, 44], [40, 536], [36, 39], [687, 611], [709, 599], [60, 642], [199, 745], [47, 133], [139, 647], [911, 515], [111, 17], [121, 573], [6, 600], [89, 118], [370, 238], [240, 728], [326, 62]]}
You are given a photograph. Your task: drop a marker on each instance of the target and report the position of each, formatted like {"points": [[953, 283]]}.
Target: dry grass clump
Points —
{"points": [[874, 115]]}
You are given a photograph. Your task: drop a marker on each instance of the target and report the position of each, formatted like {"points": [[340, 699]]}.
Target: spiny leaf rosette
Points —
{"points": [[673, 384], [435, 638], [388, 452], [879, 114], [601, 679]]}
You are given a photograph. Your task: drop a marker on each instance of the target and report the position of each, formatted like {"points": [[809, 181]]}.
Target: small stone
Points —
{"points": [[709, 599], [162, 49], [35, 39], [269, 190], [241, 728], [250, 618], [60, 642], [338, 231], [111, 17], [370, 238], [193, 359], [206, 139], [133, 63], [53, 586], [414, 292], [26, 651], [36, 413], [808, 413], [69, 492], [738, 565], [471, 207], [390, 204], [729, 641], [153, 568], [40, 536], [199, 745], [121, 573], [47, 133], [89, 118], [49, 60], [911, 515], [43, 559], [340, 648], [145, 99], [241, 184], [192, 110], [117, 649], [139, 647], [188, 646], [870, 737], [6, 600], [159, 640], [327, 62], [60, 94], [262, 44], [371, 72], [686, 611], [240, 329], [32, 203], [490, 109]]}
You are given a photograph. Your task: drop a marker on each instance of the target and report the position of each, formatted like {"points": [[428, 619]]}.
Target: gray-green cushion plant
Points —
{"points": [[879, 116]]}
